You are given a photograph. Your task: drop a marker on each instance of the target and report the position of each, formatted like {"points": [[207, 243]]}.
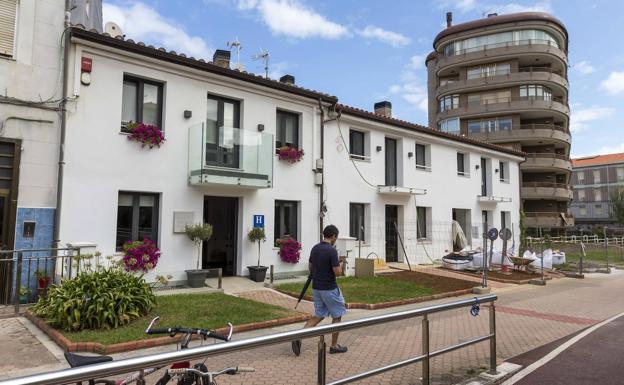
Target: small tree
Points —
{"points": [[198, 233], [617, 205], [257, 234]]}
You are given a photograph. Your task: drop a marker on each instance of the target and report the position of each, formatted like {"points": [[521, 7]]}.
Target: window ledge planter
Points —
{"points": [[290, 154], [146, 134]]}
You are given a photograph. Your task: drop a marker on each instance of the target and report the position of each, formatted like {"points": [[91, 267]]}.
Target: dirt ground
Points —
{"points": [[438, 283], [516, 275]]}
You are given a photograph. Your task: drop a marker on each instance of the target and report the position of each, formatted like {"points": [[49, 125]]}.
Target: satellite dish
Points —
{"points": [[113, 29]]}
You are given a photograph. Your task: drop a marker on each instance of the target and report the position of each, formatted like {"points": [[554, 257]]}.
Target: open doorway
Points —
{"points": [[220, 249], [392, 239], [462, 216]]}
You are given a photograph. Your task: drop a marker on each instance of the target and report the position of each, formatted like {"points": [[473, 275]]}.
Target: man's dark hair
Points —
{"points": [[330, 231]]}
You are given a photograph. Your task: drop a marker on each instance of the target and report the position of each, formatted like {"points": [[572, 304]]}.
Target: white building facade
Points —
{"points": [[219, 165]]}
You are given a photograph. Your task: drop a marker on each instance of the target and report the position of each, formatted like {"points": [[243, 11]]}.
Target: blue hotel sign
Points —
{"points": [[258, 221]]}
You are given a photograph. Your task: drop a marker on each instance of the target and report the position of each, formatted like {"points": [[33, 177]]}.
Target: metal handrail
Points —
{"points": [[540, 126], [161, 359]]}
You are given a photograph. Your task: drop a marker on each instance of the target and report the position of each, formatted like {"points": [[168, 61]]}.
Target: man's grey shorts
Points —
{"points": [[328, 302]]}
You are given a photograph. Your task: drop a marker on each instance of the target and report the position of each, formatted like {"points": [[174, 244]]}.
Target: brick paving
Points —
{"points": [[527, 317]]}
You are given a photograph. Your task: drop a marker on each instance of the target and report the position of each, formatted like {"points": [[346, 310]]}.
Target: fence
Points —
{"points": [[161, 359]]}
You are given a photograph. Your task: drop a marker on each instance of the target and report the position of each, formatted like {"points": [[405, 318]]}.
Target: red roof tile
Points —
{"points": [[596, 160]]}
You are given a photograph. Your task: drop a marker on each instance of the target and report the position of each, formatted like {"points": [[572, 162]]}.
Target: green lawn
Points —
{"points": [[369, 290], [599, 256], [207, 311]]}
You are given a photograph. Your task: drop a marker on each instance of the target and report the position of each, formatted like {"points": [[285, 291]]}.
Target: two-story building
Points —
{"points": [[594, 179]]}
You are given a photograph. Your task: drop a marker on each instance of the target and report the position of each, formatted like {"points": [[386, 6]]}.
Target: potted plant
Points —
{"points": [[24, 292], [146, 134], [289, 249], [198, 233], [290, 154], [43, 280], [257, 273]]}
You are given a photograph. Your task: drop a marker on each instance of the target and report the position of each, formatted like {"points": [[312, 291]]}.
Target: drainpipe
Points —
{"points": [[61, 163], [321, 195]]}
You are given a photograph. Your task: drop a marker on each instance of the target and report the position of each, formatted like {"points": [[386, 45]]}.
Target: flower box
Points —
{"points": [[290, 154]]}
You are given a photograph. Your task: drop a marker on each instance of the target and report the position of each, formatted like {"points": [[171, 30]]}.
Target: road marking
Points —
{"points": [[560, 349], [547, 316]]}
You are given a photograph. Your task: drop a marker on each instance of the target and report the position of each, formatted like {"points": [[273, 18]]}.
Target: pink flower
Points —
{"points": [[290, 154], [146, 134], [140, 255], [290, 250]]}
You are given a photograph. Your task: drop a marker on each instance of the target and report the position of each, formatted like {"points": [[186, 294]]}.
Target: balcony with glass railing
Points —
{"points": [[230, 156]]}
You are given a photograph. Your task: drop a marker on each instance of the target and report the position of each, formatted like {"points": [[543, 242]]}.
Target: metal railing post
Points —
{"points": [[425, 350], [492, 339], [321, 378], [219, 278], [18, 282], [272, 274]]}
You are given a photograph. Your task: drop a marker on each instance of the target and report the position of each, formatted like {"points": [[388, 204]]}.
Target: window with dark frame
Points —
{"points": [[421, 156], [421, 223], [502, 172], [142, 102], [286, 219], [356, 144], [356, 221], [137, 217], [461, 170], [287, 133]]}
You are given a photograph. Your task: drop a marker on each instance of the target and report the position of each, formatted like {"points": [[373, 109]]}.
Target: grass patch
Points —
{"points": [[368, 290], [208, 311]]}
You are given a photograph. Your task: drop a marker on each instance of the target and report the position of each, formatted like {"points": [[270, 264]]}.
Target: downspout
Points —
{"points": [[61, 163], [321, 194]]}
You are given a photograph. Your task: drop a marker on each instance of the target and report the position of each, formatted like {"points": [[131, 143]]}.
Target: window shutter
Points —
{"points": [[8, 15]]}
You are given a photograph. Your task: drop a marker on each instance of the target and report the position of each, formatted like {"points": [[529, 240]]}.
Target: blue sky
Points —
{"points": [[367, 51]]}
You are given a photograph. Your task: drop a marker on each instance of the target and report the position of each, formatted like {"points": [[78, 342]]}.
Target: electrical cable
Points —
{"points": [[351, 159]]}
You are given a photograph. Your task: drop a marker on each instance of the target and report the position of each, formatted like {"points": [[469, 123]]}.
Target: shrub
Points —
{"points": [[146, 134], [140, 255], [104, 299]]}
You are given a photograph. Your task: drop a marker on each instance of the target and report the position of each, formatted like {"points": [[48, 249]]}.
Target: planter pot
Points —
{"points": [[23, 298], [257, 273], [196, 278], [43, 283]]}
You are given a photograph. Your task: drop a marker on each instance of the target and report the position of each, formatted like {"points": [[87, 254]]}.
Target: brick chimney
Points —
{"points": [[449, 19], [288, 79], [384, 108], [221, 58]]}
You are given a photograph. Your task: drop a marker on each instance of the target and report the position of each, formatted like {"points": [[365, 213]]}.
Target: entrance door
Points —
{"points": [[220, 249], [391, 162], [9, 179], [392, 239]]}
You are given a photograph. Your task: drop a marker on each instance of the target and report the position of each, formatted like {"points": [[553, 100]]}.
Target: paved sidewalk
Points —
{"points": [[527, 317]]}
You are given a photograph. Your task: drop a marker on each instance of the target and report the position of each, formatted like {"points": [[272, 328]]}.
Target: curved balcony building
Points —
{"points": [[504, 79]]}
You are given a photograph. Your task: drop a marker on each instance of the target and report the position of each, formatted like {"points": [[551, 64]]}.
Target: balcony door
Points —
{"points": [[222, 123]]}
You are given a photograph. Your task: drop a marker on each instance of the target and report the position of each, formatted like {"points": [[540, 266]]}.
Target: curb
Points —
{"points": [[96, 347], [382, 305]]}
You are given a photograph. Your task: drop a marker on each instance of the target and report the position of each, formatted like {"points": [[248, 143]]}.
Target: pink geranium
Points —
{"points": [[140, 255], [289, 250], [146, 134], [290, 154]]}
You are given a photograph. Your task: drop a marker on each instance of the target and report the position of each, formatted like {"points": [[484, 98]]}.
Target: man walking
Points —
{"points": [[328, 300]]}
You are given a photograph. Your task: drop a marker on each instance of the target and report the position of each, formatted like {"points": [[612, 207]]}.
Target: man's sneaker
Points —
{"points": [[296, 347], [337, 349]]}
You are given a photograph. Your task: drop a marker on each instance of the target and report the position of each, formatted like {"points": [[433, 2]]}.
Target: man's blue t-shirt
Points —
{"points": [[323, 258]]}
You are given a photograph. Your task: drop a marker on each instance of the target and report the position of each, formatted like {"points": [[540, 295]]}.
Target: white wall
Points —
{"points": [[33, 75], [445, 189], [101, 161]]}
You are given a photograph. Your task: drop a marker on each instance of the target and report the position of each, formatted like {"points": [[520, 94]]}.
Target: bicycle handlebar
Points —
{"points": [[205, 333], [230, 371]]}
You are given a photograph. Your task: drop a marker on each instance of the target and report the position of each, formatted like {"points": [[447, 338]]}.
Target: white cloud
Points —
{"points": [[581, 117], [412, 90], [417, 62], [143, 23], [393, 38], [485, 7], [584, 67], [614, 84], [292, 18], [278, 69]]}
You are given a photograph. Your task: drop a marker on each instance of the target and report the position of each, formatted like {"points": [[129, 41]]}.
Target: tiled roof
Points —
{"points": [[598, 160], [425, 130], [201, 64]]}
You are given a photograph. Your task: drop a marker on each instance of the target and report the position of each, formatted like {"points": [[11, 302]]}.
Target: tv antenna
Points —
{"points": [[264, 56], [237, 45]]}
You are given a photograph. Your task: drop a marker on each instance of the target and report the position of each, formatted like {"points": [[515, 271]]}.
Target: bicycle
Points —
{"points": [[182, 371]]}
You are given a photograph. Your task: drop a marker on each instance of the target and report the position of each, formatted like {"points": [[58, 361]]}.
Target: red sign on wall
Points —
{"points": [[86, 64]]}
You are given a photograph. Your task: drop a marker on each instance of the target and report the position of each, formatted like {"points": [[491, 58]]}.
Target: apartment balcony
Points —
{"points": [[508, 105], [533, 75], [486, 53], [536, 162], [230, 156], [546, 190], [492, 200], [548, 219], [550, 133]]}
